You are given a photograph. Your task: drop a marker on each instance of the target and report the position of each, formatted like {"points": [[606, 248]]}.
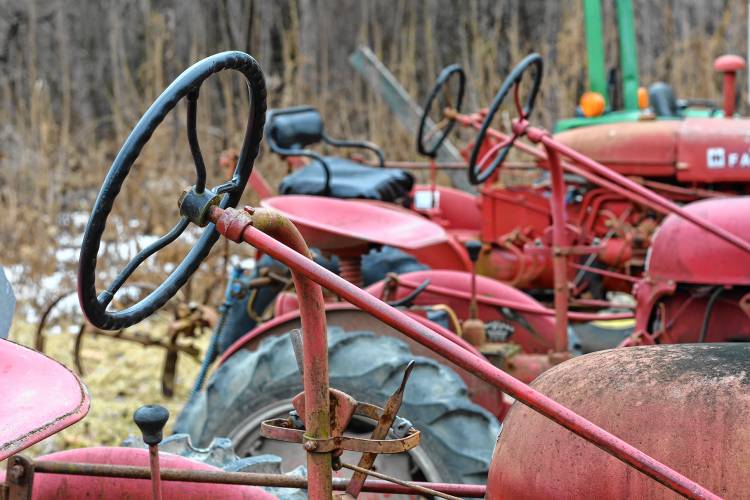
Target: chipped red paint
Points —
{"points": [[40, 398], [695, 419]]}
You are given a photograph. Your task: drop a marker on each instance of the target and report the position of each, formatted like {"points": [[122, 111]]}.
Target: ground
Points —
{"points": [[121, 376]]}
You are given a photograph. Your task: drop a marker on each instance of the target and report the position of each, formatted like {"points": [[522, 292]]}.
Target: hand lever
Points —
{"points": [[473, 328], [390, 411], [151, 420]]}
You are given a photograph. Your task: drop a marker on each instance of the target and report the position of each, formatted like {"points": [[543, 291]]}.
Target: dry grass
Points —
{"points": [[121, 376]]}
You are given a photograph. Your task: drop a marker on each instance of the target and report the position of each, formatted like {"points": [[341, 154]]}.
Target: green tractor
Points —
{"points": [[605, 102]]}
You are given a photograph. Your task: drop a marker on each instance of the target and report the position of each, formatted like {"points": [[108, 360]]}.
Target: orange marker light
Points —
{"points": [[642, 97], [592, 104]]}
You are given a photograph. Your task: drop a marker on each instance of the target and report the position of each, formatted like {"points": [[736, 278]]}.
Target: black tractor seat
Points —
{"points": [[348, 179], [291, 130]]}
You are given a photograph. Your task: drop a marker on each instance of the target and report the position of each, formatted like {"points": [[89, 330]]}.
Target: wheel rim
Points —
{"points": [[414, 465]]}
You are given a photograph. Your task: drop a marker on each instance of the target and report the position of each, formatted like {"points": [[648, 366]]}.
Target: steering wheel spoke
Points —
{"points": [[195, 149], [187, 86], [106, 297], [505, 143]]}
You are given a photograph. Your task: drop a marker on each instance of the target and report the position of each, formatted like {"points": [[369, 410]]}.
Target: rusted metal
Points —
{"points": [[559, 260], [538, 135], [388, 416], [601, 175], [350, 267], [19, 478], [482, 368], [242, 478], [421, 489], [694, 419], [279, 430], [343, 407], [315, 377], [188, 322], [155, 471]]}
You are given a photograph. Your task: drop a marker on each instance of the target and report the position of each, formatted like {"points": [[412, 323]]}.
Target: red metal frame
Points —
{"points": [[240, 226]]}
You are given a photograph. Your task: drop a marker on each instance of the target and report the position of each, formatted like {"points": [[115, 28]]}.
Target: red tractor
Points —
{"points": [[506, 326], [610, 218], [683, 404]]}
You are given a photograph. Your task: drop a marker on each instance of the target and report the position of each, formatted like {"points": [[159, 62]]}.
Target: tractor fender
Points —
{"points": [[70, 486], [685, 253], [350, 318], [534, 332]]}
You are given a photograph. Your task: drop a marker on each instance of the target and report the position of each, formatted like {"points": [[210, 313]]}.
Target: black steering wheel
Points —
{"points": [[478, 173], [228, 194], [439, 88]]}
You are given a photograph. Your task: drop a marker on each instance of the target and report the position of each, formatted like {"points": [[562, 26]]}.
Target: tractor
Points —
{"points": [[504, 325], [682, 404]]}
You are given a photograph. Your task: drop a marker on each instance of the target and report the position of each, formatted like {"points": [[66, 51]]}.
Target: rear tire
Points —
{"points": [[458, 436]]}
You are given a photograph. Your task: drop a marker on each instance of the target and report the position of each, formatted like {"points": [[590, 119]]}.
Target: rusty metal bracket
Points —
{"points": [[387, 417], [278, 429], [19, 478], [343, 408]]}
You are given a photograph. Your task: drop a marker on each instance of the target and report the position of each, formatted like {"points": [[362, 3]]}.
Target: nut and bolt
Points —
{"points": [[311, 445], [16, 473]]}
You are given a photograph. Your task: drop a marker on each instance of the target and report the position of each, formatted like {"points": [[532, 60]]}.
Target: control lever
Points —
{"points": [[473, 328], [151, 420], [390, 410]]}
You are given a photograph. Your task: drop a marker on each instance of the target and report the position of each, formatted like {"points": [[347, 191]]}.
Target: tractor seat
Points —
{"points": [[349, 179], [663, 101], [290, 131]]}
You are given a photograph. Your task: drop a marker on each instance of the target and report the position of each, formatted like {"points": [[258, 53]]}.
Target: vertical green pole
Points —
{"points": [[628, 54], [592, 15]]}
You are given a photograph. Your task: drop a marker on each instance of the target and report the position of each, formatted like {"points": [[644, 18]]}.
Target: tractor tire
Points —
{"points": [[375, 265], [458, 436]]}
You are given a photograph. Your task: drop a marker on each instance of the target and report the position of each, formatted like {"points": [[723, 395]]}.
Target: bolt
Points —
{"points": [[311, 445], [249, 209], [16, 473]]}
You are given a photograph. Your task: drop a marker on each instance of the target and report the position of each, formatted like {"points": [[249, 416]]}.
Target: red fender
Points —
{"points": [[539, 341], [48, 486]]}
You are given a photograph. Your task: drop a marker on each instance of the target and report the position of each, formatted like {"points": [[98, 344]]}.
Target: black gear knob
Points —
{"points": [[151, 420], [473, 247]]}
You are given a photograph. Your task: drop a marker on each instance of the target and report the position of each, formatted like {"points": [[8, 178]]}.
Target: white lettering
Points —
{"points": [[732, 159]]}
